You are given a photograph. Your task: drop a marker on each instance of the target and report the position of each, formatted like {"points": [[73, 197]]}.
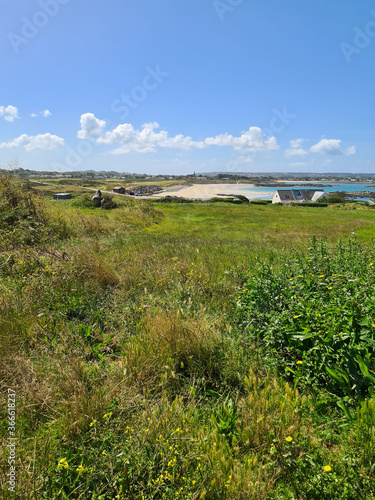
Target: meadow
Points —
{"points": [[186, 350]]}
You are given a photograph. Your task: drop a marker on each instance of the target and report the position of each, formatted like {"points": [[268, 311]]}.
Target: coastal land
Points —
{"points": [[202, 191]]}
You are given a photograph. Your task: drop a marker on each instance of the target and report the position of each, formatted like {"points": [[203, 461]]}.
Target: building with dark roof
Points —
{"points": [[286, 196]]}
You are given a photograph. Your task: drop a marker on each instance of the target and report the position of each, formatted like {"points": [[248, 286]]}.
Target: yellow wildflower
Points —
{"points": [[63, 463], [327, 468], [289, 439], [299, 362], [93, 422]]}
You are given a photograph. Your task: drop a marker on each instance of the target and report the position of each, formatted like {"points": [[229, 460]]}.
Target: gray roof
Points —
{"points": [[299, 194]]}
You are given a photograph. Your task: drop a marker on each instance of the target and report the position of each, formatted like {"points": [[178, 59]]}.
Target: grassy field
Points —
{"points": [[187, 351]]}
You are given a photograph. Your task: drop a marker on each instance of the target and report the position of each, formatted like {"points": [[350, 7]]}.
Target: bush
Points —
{"points": [[312, 204], [314, 317], [337, 197], [23, 219], [171, 199], [225, 200], [260, 202]]}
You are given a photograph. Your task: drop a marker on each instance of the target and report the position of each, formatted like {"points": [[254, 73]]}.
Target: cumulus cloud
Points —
{"points": [[148, 138], [331, 147], [9, 113], [145, 140], [251, 140], [91, 127], [295, 152], [296, 143], [32, 144], [45, 113], [295, 148]]}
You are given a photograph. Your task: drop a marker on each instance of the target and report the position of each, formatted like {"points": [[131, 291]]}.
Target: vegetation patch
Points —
{"points": [[314, 317]]}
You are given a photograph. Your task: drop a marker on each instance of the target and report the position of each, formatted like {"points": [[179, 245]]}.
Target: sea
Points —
{"points": [[267, 193]]}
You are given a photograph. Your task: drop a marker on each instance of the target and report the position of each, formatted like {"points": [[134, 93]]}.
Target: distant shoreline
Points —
{"points": [[204, 190]]}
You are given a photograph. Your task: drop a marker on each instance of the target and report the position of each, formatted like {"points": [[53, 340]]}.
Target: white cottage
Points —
{"points": [[286, 196]]}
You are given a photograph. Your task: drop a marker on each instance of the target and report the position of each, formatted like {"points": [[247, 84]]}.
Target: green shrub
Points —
{"points": [[225, 200], [171, 199], [312, 204], [314, 317], [23, 219], [337, 197], [260, 202]]}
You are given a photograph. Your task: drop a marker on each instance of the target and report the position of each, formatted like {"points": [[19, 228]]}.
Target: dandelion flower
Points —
{"points": [[299, 362], [63, 463], [371, 264], [329, 288], [289, 439], [327, 468]]}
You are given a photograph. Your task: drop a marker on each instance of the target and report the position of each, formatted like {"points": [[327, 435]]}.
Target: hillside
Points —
{"points": [[190, 350]]}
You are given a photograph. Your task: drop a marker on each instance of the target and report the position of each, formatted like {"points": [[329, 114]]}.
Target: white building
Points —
{"points": [[286, 196]]}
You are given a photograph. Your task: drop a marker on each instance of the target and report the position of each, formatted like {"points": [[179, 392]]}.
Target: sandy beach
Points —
{"points": [[203, 191]]}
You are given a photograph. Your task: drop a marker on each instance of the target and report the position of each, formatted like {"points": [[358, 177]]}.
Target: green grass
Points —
{"points": [[146, 363]]}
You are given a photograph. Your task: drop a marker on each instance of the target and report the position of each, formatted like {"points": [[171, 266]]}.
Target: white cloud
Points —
{"points": [[295, 152], [296, 143], [351, 151], [31, 144], [45, 113], [9, 113], [331, 147], [251, 140], [148, 138], [295, 148], [145, 140], [91, 127]]}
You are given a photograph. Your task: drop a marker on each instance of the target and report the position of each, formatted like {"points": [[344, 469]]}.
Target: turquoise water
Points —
{"points": [[267, 193]]}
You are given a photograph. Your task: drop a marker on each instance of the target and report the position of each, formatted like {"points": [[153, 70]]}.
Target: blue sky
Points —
{"points": [[173, 86]]}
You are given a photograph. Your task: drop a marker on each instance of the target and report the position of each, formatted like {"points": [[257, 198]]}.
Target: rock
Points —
{"points": [[144, 190], [97, 198], [62, 196]]}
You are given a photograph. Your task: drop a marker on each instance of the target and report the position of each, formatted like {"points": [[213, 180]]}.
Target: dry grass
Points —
{"points": [[171, 345]]}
